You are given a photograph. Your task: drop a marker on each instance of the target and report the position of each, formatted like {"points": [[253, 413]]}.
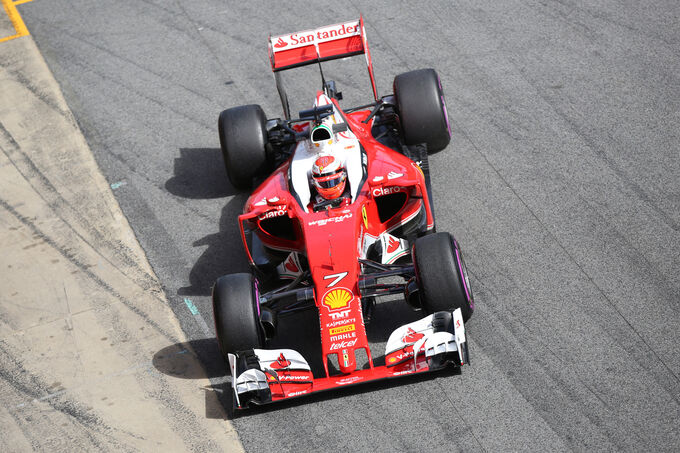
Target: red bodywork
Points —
{"points": [[333, 241]]}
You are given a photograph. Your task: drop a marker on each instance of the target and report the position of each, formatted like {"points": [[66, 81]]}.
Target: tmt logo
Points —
{"points": [[339, 314]]}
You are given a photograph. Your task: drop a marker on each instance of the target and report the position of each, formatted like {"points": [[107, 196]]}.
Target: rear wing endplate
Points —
{"points": [[322, 44]]}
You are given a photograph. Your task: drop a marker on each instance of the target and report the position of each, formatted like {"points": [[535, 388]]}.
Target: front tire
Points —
{"points": [[235, 307], [441, 275], [243, 139], [422, 109]]}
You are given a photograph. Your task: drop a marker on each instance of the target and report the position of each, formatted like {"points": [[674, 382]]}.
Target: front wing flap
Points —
{"points": [[262, 376]]}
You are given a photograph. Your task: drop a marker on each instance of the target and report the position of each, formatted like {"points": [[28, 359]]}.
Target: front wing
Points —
{"points": [[263, 376]]}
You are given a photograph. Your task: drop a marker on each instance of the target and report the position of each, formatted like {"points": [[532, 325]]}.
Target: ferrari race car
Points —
{"points": [[343, 209]]}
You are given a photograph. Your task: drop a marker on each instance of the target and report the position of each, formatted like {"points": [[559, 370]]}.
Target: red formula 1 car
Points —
{"points": [[345, 204]]}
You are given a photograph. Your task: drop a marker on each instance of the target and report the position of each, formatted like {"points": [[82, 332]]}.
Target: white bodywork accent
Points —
{"points": [[336, 278], [232, 368], [292, 260], [268, 356], [345, 147], [459, 327], [388, 240], [315, 36], [251, 380], [434, 342], [440, 343]]}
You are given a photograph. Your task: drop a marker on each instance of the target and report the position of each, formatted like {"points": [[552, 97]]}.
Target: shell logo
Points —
{"points": [[337, 298]]}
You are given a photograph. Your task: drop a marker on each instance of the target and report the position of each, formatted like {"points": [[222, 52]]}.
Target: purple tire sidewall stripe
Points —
{"points": [[257, 297], [462, 274], [446, 113]]}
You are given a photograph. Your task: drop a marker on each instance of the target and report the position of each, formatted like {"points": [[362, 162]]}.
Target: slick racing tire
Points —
{"points": [[441, 275], [243, 139], [235, 307], [422, 109]]}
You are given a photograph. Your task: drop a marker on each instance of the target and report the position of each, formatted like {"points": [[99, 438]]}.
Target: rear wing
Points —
{"points": [[322, 44]]}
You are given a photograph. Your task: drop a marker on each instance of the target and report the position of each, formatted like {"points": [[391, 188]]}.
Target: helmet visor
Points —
{"points": [[327, 182]]}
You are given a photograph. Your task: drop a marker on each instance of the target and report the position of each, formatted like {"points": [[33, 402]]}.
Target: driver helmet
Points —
{"points": [[321, 137], [328, 176]]}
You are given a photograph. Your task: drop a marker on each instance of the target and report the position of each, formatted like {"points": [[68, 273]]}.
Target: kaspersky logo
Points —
{"points": [[337, 298]]}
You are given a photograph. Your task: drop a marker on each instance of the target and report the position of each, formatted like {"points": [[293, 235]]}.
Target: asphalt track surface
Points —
{"points": [[562, 184]]}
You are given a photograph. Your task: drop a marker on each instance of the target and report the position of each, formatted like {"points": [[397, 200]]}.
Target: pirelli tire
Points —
{"points": [[422, 109], [235, 308], [441, 275], [243, 139]]}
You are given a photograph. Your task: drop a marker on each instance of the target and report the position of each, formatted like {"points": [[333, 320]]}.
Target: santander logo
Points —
{"points": [[393, 245], [290, 265], [411, 336], [309, 37]]}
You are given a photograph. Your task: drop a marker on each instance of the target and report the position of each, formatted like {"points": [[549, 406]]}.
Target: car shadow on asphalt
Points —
{"points": [[223, 252], [199, 174]]}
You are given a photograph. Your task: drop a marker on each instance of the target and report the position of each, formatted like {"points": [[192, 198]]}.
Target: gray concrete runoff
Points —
{"points": [[560, 183], [85, 329]]}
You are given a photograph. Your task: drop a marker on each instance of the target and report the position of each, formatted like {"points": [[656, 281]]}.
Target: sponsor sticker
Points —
{"points": [[343, 345], [336, 316], [343, 336], [291, 265], [293, 377], [305, 38], [298, 393], [393, 244], [380, 191], [273, 213], [338, 219], [364, 216], [411, 336], [337, 298], [343, 329], [400, 356], [349, 380]]}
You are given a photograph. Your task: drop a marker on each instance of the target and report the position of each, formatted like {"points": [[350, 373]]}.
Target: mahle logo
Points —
{"points": [[337, 298]]}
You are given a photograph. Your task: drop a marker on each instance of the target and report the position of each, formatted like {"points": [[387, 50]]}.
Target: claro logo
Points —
{"points": [[380, 191], [273, 213]]}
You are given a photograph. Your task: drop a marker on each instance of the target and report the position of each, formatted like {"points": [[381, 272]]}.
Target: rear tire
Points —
{"points": [[441, 275], [422, 109], [235, 307], [243, 139]]}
